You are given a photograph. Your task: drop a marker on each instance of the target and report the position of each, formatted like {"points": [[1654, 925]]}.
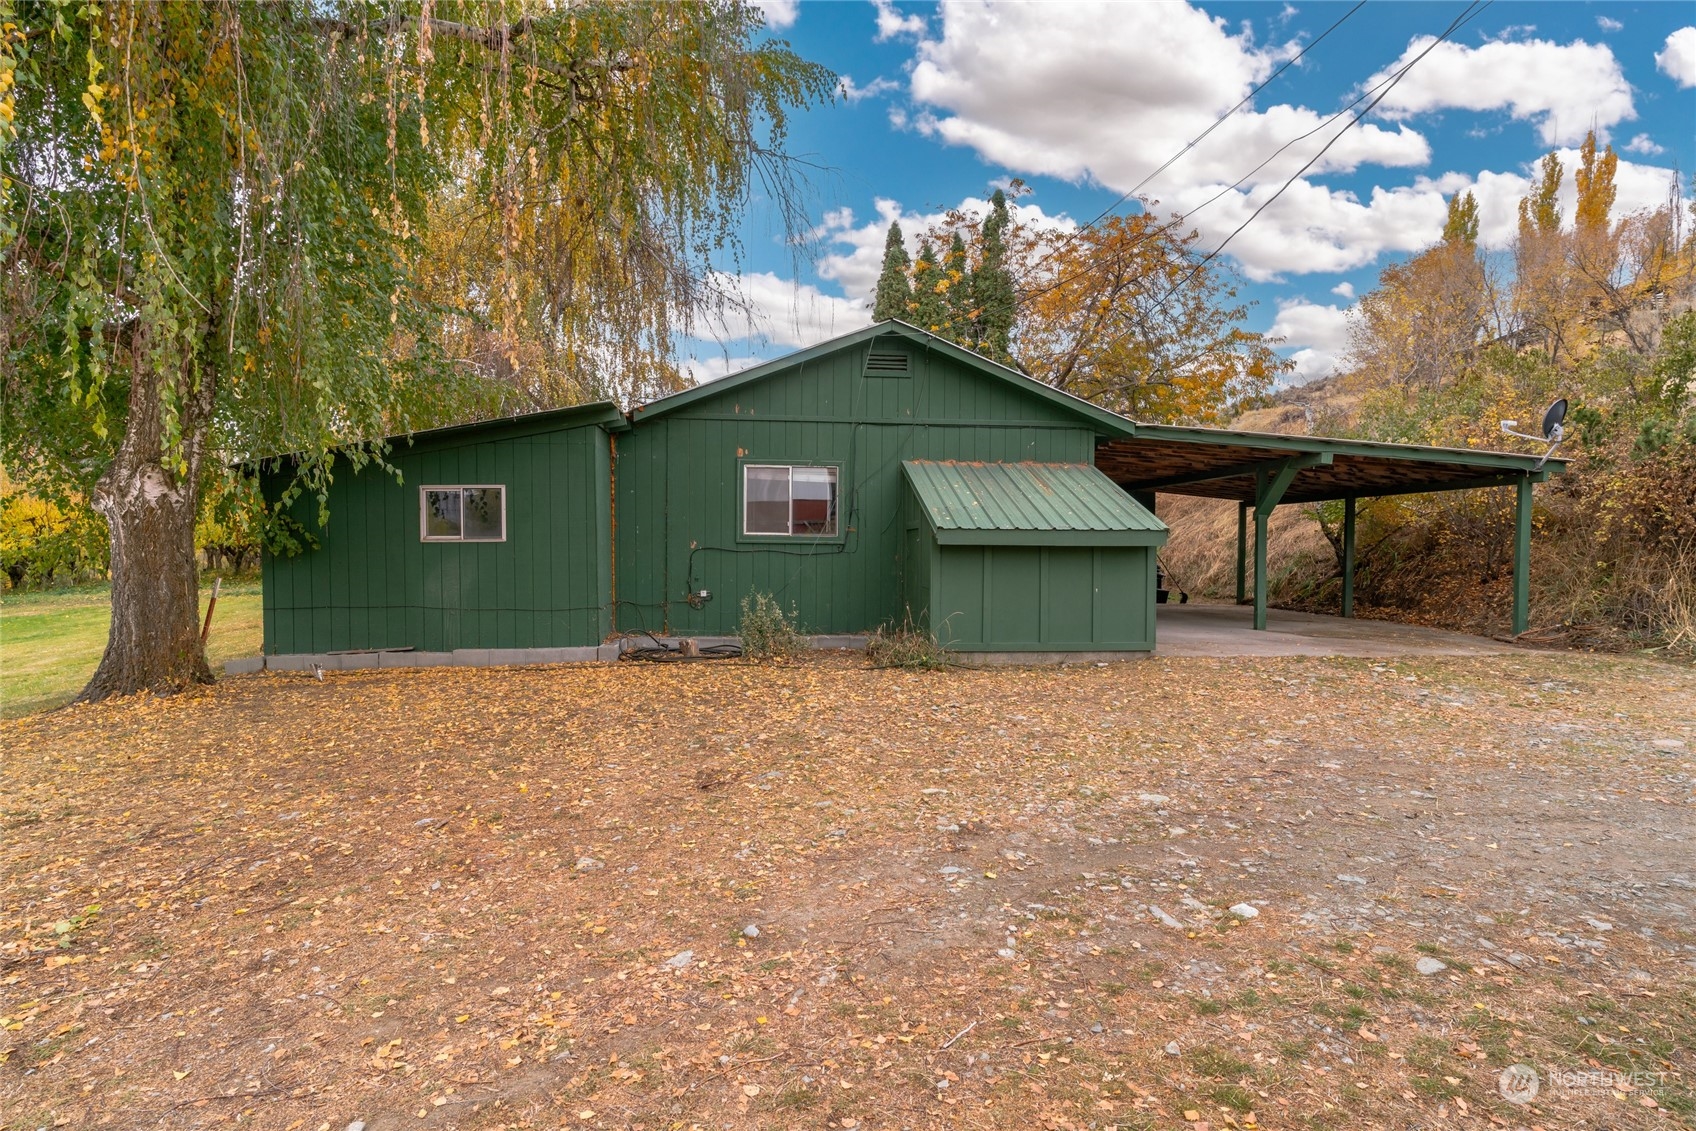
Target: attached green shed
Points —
{"points": [[495, 535], [1029, 557]]}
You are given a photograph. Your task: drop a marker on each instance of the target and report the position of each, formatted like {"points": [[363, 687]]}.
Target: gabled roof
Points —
{"points": [[974, 503], [1106, 423], [605, 414]]}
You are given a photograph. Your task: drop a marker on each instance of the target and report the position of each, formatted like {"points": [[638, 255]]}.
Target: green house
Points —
{"points": [[882, 476]]}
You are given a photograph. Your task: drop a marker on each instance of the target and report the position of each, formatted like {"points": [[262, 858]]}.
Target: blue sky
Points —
{"points": [[940, 103]]}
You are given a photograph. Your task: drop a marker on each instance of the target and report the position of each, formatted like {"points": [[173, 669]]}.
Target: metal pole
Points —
{"points": [[206, 629], [1348, 556], [1242, 552], [1522, 556]]}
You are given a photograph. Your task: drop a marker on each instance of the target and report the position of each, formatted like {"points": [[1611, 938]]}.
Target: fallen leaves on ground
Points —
{"points": [[820, 895]]}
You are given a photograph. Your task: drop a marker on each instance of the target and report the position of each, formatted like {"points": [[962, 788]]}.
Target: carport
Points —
{"points": [[1262, 470]]}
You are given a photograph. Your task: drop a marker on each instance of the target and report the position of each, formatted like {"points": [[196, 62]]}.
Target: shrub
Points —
{"points": [[768, 633], [905, 645], [42, 544]]}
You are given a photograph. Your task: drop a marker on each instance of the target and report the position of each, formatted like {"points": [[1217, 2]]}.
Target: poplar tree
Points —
{"points": [[216, 219], [1461, 226], [894, 291], [1594, 180]]}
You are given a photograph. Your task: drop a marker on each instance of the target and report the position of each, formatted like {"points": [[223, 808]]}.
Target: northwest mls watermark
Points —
{"points": [[1521, 1083]]}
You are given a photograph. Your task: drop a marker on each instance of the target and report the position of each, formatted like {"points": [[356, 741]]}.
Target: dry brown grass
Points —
{"points": [[1201, 554]]}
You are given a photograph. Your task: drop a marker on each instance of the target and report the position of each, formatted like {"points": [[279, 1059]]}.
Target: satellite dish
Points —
{"points": [[1554, 429]]}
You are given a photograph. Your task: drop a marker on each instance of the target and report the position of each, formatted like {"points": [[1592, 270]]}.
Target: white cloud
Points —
{"points": [[1645, 145], [700, 370], [1509, 34], [1678, 60], [891, 22], [1044, 89], [1588, 88], [1041, 89], [784, 312], [1104, 93], [1606, 24], [1320, 332], [779, 14], [1344, 289], [853, 92]]}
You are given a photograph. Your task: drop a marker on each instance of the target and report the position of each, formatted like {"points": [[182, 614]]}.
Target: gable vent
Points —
{"points": [[888, 363]]}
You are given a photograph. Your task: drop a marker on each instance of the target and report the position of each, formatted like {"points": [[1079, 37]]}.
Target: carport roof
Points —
{"points": [[1223, 464]]}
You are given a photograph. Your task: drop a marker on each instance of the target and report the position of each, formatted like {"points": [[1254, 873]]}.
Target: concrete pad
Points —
{"points": [[1228, 630]]}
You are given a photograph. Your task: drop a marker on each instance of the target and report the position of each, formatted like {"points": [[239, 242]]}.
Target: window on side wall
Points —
{"points": [[462, 514], [792, 500]]}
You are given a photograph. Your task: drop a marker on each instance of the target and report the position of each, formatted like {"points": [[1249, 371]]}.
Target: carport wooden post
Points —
{"points": [[1348, 555], [1270, 483], [1522, 556], [1242, 552], [1260, 516]]}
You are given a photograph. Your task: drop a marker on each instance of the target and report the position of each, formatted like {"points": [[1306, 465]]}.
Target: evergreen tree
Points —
{"points": [[894, 290], [957, 281], [992, 286], [930, 308]]}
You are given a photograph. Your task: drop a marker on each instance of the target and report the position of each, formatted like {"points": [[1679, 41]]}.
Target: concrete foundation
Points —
{"points": [[491, 657], [1183, 630]]}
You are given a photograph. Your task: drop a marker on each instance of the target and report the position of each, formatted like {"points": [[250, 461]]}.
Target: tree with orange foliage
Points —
{"points": [[1121, 315]]}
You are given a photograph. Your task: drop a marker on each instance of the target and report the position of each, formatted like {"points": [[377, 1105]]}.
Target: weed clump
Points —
{"points": [[906, 646], [768, 633]]}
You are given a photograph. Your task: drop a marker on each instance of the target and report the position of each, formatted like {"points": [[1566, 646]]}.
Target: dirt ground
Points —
{"points": [[817, 895]]}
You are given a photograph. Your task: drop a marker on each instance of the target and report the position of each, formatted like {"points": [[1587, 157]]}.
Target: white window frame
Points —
{"points": [[836, 482], [424, 534]]}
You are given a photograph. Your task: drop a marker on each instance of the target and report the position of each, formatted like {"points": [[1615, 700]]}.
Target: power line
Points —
{"points": [[1470, 12], [1380, 90], [1466, 16], [1199, 138]]}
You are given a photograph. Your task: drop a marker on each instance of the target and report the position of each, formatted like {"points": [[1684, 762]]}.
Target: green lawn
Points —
{"points": [[50, 643]]}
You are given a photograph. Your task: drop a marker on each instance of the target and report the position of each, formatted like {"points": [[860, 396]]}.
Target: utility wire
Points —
{"points": [[1195, 141], [1380, 90], [1466, 16]]}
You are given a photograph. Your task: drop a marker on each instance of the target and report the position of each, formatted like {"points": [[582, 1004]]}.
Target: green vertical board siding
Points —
{"points": [[678, 480], [374, 583], [1043, 598]]}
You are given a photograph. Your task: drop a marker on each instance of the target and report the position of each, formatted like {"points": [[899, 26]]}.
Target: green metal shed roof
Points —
{"points": [[1029, 503]]}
